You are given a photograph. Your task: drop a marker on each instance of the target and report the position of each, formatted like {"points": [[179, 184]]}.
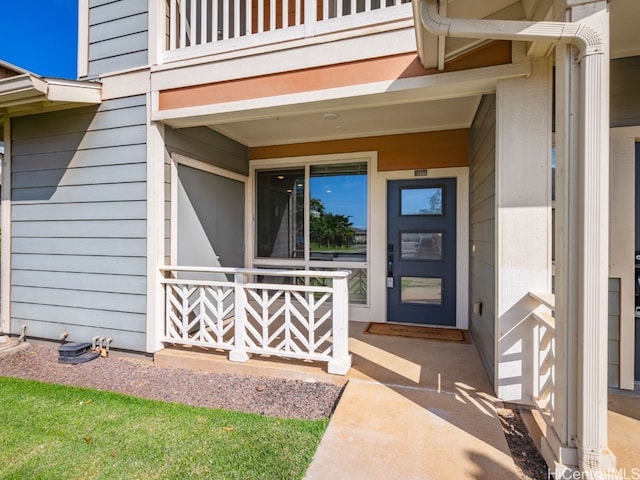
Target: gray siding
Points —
{"points": [[202, 143], [625, 92], [118, 35], [613, 364], [482, 229], [79, 223], [206, 145]]}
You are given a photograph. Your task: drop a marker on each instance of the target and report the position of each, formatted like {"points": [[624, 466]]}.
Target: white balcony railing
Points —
{"points": [[236, 310], [220, 25], [544, 352]]}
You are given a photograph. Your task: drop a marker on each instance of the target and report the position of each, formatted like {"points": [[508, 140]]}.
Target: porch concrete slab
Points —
{"points": [[384, 432], [413, 362], [410, 362], [624, 432]]}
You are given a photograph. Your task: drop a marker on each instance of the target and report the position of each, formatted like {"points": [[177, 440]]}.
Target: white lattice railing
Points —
{"points": [[232, 309], [544, 352], [240, 23]]}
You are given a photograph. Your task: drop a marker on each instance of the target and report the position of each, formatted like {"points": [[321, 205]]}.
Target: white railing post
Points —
{"points": [[239, 352], [310, 17], [341, 360]]}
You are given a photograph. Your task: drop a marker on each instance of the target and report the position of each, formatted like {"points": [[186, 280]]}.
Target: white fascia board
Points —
{"points": [[27, 88], [126, 84], [72, 91], [432, 87]]}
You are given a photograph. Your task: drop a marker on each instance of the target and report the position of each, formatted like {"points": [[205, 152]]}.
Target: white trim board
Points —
{"points": [[358, 313], [379, 238], [178, 159], [5, 315]]}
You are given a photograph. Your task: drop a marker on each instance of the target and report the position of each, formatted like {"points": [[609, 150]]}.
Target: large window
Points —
{"points": [[280, 213], [314, 217], [338, 212]]}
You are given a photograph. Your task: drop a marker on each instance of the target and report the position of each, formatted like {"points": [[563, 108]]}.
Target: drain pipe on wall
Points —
{"points": [[591, 254]]}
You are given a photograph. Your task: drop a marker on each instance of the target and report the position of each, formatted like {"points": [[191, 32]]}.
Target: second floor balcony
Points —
{"points": [[202, 27]]}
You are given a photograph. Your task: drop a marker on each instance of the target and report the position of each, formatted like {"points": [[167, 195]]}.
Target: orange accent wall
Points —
{"points": [[411, 151], [332, 76]]}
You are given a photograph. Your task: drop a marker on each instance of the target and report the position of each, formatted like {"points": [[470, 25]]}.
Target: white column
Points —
{"points": [[523, 222], [5, 318], [585, 256], [155, 233], [566, 240]]}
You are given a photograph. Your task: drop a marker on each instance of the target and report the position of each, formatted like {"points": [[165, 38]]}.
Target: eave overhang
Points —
{"points": [[30, 93]]}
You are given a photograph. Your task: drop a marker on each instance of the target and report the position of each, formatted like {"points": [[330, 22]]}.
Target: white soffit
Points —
{"points": [[29, 90], [623, 19], [414, 117]]}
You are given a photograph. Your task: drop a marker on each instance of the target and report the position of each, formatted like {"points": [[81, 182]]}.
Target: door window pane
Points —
{"points": [[421, 290], [280, 213], [421, 201], [421, 246], [338, 212]]}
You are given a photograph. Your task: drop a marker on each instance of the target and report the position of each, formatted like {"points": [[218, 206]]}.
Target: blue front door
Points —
{"points": [[421, 251]]}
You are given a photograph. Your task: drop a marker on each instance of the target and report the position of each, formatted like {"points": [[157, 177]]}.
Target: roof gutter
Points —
{"points": [[586, 39], [591, 205]]}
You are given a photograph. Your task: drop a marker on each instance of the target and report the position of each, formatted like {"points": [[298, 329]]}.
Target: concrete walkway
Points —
{"points": [[413, 409]]}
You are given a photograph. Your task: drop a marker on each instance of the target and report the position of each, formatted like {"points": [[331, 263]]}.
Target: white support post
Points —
{"points": [[566, 284], [593, 453], [523, 223], [583, 250], [239, 353], [341, 361], [5, 315]]}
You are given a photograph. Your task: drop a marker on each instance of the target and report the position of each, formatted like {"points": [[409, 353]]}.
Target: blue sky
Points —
{"points": [[40, 36], [343, 195]]}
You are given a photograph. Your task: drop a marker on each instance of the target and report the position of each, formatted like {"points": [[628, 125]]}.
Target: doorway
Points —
{"points": [[421, 251]]}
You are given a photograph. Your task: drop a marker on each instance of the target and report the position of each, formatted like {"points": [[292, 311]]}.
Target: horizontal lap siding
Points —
{"points": [[202, 143], [482, 229], [118, 35], [79, 223], [625, 92], [205, 145]]}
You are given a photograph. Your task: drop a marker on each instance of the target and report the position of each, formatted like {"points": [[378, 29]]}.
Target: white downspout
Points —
{"points": [[593, 249]]}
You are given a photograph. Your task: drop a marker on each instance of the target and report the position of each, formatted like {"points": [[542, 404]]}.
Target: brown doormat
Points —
{"points": [[413, 331]]}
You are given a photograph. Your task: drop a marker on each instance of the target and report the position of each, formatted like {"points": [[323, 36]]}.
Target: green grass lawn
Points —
{"points": [[58, 432]]}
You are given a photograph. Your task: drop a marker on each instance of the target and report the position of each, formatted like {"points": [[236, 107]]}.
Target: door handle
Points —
{"points": [[390, 265]]}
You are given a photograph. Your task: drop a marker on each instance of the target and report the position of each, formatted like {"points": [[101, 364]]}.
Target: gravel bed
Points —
{"points": [[141, 378], [529, 463]]}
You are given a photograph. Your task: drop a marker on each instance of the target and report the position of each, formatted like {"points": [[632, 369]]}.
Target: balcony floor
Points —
{"points": [[412, 408]]}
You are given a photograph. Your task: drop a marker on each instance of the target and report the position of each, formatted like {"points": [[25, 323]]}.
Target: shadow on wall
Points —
{"points": [[515, 352], [46, 149]]}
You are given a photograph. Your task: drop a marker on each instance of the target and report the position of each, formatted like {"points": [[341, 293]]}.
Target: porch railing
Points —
{"points": [[240, 23], [544, 352], [237, 310]]}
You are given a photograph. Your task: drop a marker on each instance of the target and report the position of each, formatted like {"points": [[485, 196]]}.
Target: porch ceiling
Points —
{"points": [[353, 123]]}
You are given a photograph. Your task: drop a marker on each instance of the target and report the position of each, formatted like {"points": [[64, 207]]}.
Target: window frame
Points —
{"points": [[306, 263]]}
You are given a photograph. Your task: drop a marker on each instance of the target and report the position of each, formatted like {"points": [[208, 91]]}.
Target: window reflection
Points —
{"points": [[421, 201], [338, 212], [421, 246], [280, 213], [421, 290]]}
